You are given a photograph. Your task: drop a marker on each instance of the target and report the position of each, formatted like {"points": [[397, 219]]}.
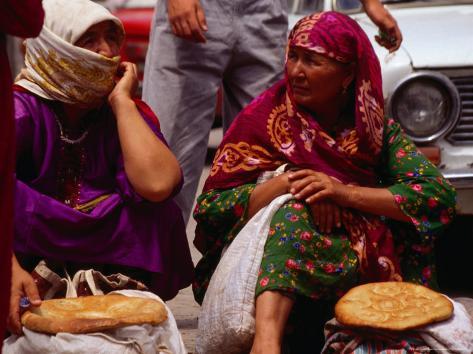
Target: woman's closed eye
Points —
{"points": [[312, 59], [292, 55], [112, 37], [307, 58], [85, 41]]}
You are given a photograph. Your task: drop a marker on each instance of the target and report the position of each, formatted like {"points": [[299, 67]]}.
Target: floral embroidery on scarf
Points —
{"points": [[303, 30], [233, 157], [349, 142], [279, 130], [372, 116], [307, 134], [326, 138]]}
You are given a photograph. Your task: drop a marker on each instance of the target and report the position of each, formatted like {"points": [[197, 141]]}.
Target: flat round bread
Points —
{"points": [[394, 306], [93, 313]]}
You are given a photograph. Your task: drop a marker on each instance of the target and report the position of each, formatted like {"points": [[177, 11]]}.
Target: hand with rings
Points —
{"points": [[325, 195]]}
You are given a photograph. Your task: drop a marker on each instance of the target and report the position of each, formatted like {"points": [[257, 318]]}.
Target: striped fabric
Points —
{"points": [[342, 340], [83, 283]]}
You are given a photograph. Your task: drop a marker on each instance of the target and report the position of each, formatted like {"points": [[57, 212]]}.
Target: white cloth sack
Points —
{"points": [[454, 335], [227, 317], [140, 339]]}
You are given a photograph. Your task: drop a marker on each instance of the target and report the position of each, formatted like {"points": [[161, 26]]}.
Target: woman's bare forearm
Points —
{"points": [[377, 201], [150, 166], [264, 193]]}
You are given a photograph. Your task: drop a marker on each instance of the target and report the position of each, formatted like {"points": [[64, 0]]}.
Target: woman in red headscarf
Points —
{"points": [[366, 203]]}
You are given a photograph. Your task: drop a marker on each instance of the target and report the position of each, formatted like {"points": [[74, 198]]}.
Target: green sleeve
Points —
{"points": [[220, 214], [418, 187]]}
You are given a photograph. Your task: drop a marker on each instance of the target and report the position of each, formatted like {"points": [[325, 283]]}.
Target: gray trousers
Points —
{"points": [[244, 54]]}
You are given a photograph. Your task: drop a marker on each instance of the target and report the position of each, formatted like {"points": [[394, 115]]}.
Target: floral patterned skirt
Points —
{"points": [[300, 261]]}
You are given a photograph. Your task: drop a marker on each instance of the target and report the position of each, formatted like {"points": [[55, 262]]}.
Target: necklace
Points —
{"points": [[66, 139]]}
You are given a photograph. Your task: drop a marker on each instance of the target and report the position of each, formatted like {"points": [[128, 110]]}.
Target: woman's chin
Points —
{"points": [[93, 104], [302, 100]]}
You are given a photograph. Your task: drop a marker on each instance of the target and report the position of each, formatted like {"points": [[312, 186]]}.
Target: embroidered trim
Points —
{"points": [[233, 157]]}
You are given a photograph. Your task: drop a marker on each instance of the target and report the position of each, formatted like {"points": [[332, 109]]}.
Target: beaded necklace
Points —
{"points": [[66, 139], [71, 165]]}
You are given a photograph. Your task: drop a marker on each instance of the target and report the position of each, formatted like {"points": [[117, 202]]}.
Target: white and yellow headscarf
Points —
{"points": [[56, 69]]}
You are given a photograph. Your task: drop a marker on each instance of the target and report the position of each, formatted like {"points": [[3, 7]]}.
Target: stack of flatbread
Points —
{"points": [[93, 313], [394, 306]]}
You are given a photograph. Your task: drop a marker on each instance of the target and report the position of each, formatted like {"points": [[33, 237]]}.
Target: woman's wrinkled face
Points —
{"points": [[315, 79], [102, 38]]}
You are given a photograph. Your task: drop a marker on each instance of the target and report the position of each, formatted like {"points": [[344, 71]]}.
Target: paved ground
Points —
{"points": [[183, 306]]}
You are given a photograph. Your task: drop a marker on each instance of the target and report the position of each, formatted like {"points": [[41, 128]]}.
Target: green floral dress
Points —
{"points": [[299, 260]]}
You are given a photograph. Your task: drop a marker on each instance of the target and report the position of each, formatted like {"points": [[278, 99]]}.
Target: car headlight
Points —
{"points": [[426, 104]]}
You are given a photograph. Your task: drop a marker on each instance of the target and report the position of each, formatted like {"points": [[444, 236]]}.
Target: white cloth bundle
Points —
{"points": [[454, 335], [227, 318]]}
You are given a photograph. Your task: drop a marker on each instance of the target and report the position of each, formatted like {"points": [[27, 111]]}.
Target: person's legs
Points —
{"points": [[306, 265], [272, 311], [258, 59], [180, 84]]}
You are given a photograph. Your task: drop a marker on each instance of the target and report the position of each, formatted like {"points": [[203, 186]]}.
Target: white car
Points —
{"points": [[428, 82]]}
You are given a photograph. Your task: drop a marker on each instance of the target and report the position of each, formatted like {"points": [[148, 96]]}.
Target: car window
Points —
{"points": [[348, 5], [302, 7]]}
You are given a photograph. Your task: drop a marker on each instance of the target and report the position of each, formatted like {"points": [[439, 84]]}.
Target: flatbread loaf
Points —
{"points": [[93, 313], [394, 306]]}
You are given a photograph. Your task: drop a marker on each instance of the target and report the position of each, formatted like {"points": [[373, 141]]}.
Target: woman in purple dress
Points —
{"points": [[95, 178]]}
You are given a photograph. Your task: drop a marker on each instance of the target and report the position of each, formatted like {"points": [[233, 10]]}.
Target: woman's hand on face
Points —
{"points": [[126, 83], [326, 215], [313, 187], [22, 285]]}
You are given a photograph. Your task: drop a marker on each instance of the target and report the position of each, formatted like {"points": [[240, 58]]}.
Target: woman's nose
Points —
{"points": [[297, 70]]}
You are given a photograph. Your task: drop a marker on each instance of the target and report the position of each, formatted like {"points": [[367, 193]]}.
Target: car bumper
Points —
{"points": [[463, 182]]}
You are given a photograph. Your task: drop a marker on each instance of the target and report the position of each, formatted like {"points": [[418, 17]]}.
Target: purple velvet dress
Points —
{"points": [[55, 180]]}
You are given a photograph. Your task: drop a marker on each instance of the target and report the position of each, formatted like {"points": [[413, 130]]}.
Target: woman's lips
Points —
{"points": [[300, 89]]}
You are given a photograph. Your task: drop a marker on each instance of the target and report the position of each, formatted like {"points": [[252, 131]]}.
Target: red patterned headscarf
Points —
{"points": [[273, 130]]}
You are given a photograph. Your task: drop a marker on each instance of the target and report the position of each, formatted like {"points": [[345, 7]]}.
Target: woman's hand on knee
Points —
{"points": [[326, 215], [22, 285]]}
